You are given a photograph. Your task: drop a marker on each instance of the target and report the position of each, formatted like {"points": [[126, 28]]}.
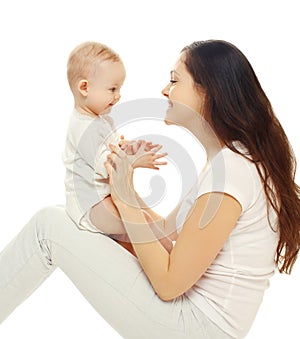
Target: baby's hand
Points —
{"points": [[123, 141], [144, 154], [131, 146], [128, 146]]}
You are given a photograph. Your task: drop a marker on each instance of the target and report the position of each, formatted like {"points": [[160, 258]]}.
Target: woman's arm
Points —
{"points": [[196, 247], [105, 216], [168, 224], [202, 237]]}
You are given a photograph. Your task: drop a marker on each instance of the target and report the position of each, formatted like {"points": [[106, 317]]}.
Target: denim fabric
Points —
{"points": [[108, 276]]}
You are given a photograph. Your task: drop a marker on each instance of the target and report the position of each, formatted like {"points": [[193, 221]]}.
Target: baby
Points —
{"points": [[96, 75]]}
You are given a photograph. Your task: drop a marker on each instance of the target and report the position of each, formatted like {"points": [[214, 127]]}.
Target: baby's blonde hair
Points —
{"points": [[82, 61]]}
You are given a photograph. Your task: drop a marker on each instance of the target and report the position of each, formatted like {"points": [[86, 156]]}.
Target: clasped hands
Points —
{"points": [[142, 153], [122, 161]]}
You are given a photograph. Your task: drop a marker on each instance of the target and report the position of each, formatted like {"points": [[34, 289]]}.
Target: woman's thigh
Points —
{"points": [[109, 277], [112, 280]]}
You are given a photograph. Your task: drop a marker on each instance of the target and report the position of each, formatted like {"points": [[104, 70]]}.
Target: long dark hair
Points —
{"points": [[238, 110]]}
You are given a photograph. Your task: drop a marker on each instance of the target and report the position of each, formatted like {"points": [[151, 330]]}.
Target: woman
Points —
{"points": [[239, 222]]}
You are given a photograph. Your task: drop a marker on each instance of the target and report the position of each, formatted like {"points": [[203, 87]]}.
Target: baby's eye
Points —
{"points": [[113, 89]]}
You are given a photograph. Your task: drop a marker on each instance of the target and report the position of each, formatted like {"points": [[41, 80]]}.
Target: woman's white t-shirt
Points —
{"points": [[231, 290]]}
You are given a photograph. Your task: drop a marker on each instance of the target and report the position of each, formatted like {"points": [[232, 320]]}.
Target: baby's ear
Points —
{"points": [[83, 87]]}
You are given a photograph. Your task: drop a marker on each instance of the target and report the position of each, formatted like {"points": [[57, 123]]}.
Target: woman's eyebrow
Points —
{"points": [[173, 72]]}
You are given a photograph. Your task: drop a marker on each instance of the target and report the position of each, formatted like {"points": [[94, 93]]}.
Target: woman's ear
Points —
{"points": [[83, 87]]}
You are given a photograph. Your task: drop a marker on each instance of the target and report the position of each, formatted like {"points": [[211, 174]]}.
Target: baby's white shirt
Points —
{"points": [[85, 151]]}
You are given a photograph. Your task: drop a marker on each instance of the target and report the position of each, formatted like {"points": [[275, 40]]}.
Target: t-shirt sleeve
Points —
{"points": [[93, 146], [232, 174], [101, 157], [103, 152]]}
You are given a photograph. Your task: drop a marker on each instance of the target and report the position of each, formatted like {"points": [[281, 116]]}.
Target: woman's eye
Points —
{"points": [[173, 82]]}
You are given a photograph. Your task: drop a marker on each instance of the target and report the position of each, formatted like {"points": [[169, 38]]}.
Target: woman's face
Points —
{"points": [[185, 101]]}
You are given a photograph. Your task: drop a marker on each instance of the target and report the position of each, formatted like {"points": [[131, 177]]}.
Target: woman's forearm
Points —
{"points": [[153, 257], [168, 224], [160, 221], [106, 217]]}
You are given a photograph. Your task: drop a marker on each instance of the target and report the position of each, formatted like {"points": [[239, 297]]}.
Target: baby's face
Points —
{"points": [[104, 87]]}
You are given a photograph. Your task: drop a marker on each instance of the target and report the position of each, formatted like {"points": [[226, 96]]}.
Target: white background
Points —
{"points": [[36, 39]]}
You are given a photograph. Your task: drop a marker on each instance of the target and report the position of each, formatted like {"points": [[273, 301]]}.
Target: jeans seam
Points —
{"points": [[23, 267], [89, 268], [125, 295]]}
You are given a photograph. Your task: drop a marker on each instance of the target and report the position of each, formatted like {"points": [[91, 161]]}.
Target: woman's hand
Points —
{"points": [[120, 171]]}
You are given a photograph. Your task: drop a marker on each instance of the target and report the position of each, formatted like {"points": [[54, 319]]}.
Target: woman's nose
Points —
{"points": [[165, 91]]}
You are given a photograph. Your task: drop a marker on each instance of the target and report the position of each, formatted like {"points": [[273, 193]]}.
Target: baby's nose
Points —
{"points": [[116, 99]]}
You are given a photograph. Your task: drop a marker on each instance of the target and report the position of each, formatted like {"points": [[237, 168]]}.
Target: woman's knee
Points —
{"points": [[48, 219]]}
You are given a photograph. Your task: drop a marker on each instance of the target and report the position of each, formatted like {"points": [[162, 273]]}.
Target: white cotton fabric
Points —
{"points": [[231, 290], [85, 151], [108, 276]]}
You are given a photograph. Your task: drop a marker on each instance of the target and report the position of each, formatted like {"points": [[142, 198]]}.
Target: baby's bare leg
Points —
{"points": [[105, 216]]}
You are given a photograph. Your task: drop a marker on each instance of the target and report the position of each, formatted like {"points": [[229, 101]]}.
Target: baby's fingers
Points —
{"points": [[140, 146], [129, 149], [157, 163], [154, 148], [117, 150], [159, 155]]}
